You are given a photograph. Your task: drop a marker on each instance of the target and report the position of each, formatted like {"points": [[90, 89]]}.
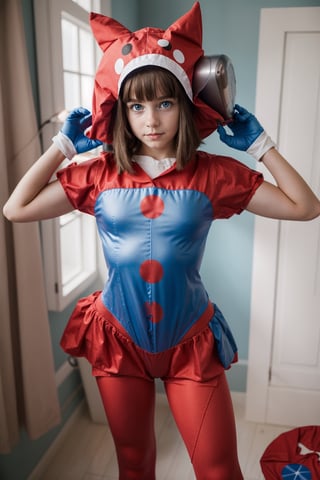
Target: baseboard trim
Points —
{"points": [[63, 372], [46, 459], [239, 398]]}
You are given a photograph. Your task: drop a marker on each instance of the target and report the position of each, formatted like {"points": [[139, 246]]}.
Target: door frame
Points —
{"points": [[274, 25]]}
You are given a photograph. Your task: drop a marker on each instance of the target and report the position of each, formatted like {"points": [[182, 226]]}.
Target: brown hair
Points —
{"points": [[144, 85]]}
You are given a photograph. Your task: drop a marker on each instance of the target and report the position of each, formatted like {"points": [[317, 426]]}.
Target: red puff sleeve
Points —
{"points": [[229, 184], [79, 184]]}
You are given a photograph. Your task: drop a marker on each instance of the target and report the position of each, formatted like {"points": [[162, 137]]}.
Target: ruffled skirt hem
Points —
{"points": [[93, 333]]}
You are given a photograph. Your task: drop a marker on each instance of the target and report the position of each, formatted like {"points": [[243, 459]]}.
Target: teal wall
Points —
{"points": [[127, 12], [230, 27]]}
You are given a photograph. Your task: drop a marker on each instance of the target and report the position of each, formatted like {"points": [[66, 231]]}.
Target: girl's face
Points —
{"points": [[155, 123]]}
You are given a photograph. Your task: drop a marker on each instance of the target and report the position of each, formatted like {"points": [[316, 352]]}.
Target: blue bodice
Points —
{"points": [[153, 241]]}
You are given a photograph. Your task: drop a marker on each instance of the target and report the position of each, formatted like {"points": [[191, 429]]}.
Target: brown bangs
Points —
{"points": [[150, 83]]}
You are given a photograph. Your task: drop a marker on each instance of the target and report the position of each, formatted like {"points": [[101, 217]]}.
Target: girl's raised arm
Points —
{"points": [[35, 197], [291, 198]]}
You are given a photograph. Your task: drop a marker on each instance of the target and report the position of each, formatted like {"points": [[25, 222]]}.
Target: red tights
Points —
{"points": [[203, 413]]}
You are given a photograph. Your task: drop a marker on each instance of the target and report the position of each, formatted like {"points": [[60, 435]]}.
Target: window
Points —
{"points": [[79, 63], [68, 57]]}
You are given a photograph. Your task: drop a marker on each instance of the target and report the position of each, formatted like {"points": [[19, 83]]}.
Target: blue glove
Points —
{"points": [[245, 128], [247, 134], [71, 139], [75, 125]]}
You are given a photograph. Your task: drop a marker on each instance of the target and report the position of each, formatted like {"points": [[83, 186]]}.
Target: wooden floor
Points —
{"points": [[86, 452]]}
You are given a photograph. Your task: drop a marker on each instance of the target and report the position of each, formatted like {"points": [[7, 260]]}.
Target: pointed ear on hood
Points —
{"points": [[106, 30], [189, 26]]}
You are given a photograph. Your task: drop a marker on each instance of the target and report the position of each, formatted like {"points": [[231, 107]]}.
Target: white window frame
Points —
{"points": [[48, 15]]}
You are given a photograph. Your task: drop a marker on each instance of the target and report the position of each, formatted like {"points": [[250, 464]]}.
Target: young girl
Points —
{"points": [[154, 198]]}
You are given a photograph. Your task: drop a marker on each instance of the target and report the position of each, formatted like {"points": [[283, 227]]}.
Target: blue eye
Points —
{"points": [[135, 107], [165, 104]]}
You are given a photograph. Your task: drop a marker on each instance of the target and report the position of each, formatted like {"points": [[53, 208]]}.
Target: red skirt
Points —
{"points": [[92, 332]]}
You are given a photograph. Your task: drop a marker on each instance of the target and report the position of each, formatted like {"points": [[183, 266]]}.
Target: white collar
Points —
{"points": [[153, 167]]}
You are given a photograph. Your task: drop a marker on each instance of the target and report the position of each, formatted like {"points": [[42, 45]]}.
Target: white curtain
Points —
{"points": [[28, 394]]}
